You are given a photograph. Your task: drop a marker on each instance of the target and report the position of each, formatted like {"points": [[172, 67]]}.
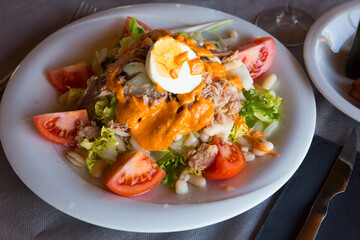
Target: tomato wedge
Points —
{"points": [[257, 55], [74, 76], [228, 162], [133, 174], [60, 128], [127, 23]]}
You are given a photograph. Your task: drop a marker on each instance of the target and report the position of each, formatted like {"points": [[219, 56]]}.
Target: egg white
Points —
{"points": [[184, 83]]}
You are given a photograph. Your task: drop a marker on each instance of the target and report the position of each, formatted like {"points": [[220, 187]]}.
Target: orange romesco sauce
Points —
{"points": [[181, 58], [255, 141], [155, 128], [209, 46], [187, 98], [173, 74], [200, 51], [197, 66]]}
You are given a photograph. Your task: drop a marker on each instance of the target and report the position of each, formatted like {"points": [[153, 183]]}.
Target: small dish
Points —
{"points": [[326, 50]]}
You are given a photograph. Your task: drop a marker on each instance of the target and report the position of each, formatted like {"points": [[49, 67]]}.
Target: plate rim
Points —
{"points": [[270, 188]]}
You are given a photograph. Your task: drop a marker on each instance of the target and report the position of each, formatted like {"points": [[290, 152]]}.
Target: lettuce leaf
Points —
{"points": [[173, 164], [101, 144], [135, 28], [261, 105], [237, 131], [102, 109], [68, 101]]}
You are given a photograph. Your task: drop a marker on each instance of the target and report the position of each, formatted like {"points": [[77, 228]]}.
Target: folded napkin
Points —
{"points": [[293, 204]]}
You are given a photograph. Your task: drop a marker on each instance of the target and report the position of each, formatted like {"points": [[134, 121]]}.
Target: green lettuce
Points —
{"points": [[237, 131], [97, 147], [102, 109], [261, 105], [135, 29], [173, 164], [69, 100]]}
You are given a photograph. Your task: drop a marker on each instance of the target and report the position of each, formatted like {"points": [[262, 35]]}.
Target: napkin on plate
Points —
{"points": [[293, 204]]}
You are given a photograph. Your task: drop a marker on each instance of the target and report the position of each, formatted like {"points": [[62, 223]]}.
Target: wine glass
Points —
{"points": [[289, 25]]}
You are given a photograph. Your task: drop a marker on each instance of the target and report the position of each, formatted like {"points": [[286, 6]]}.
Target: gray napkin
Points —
{"points": [[290, 210]]}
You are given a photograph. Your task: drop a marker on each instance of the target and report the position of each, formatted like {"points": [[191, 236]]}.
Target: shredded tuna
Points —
{"points": [[88, 131], [156, 101], [234, 106], [121, 129], [215, 92], [230, 58], [202, 157], [206, 78], [105, 91], [219, 117], [145, 99], [222, 97]]}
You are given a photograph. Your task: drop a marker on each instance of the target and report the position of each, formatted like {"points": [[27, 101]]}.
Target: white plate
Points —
{"points": [[42, 166], [326, 51]]}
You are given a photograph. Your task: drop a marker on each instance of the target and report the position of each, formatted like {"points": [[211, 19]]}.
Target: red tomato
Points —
{"points": [[74, 76], [126, 27], [133, 174], [257, 55], [60, 128], [228, 162]]}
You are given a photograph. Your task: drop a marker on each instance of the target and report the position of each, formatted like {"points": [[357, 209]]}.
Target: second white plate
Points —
{"points": [[326, 51]]}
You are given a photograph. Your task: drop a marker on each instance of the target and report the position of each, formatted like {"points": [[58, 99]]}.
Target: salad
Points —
{"points": [[167, 107]]}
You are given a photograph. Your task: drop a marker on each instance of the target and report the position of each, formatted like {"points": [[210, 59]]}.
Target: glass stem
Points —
{"points": [[289, 6], [287, 15]]}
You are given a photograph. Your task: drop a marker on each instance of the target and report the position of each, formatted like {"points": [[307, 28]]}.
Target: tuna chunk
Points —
{"points": [[202, 157], [87, 131]]}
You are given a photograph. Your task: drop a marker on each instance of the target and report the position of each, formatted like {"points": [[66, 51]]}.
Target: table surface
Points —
{"points": [[24, 24]]}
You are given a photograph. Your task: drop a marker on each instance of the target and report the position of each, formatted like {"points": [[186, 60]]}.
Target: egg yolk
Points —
{"points": [[168, 57]]}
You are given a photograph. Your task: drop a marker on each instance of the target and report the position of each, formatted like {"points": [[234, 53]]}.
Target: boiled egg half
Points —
{"points": [[167, 66]]}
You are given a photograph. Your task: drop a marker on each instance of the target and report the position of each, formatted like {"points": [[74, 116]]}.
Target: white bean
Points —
{"points": [[234, 34], [244, 149], [269, 146], [198, 181], [232, 65], [243, 142], [249, 156], [204, 137], [82, 151], [258, 152], [181, 187], [269, 81], [76, 159], [99, 168], [184, 175]]}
